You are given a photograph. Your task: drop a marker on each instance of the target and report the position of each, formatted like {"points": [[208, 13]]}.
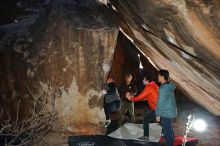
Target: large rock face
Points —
{"points": [[181, 36], [68, 46]]}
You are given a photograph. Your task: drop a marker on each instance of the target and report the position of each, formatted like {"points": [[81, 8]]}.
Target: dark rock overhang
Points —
{"points": [[181, 36]]}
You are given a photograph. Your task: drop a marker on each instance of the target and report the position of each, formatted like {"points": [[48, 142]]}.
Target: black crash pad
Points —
{"points": [[102, 140]]}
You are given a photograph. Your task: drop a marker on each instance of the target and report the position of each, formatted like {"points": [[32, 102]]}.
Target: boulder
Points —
{"points": [[181, 36], [68, 47]]}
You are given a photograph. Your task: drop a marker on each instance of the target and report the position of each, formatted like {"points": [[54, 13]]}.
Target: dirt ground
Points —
{"points": [[211, 136]]}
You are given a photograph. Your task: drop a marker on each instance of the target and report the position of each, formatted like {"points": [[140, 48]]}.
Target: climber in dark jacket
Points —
{"points": [[128, 88], [111, 100]]}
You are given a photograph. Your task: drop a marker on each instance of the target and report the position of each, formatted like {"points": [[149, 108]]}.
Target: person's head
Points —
{"points": [[111, 87], [110, 80], [128, 78], [163, 76], [148, 78]]}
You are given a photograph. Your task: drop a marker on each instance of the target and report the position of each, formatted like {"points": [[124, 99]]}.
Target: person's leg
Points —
{"points": [[118, 105], [168, 131], [123, 107], [148, 117], [107, 110], [123, 111], [115, 106], [131, 110]]}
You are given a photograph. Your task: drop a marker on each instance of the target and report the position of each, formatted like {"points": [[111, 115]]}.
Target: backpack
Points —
{"points": [[109, 98]]}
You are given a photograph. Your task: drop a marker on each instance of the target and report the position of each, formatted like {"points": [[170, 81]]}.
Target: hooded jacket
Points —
{"points": [[149, 94], [112, 94], [166, 104]]}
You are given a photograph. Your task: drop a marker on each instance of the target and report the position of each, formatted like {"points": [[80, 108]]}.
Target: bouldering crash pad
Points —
{"points": [[135, 131], [102, 140]]}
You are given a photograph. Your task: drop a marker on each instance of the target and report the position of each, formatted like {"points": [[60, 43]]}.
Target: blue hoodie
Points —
{"points": [[166, 104]]}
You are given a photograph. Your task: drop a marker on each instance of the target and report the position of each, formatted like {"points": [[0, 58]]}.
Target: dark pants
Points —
{"points": [[111, 107], [148, 118], [128, 106], [167, 130]]}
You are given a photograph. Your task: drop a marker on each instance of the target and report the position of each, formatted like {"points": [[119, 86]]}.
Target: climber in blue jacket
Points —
{"points": [[166, 106]]}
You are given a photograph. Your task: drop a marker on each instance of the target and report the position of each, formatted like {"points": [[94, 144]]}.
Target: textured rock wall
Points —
{"points": [[69, 47], [181, 36]]}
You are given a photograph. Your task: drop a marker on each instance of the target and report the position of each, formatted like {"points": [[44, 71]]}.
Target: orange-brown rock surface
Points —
{"points": [[68, 46], [181, 36]]}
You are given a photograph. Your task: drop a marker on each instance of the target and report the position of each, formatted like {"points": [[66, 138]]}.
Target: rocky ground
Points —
{"points": [[210, 137]]}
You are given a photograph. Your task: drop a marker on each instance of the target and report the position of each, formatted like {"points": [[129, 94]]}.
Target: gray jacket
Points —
{"points": [[166, 104]]}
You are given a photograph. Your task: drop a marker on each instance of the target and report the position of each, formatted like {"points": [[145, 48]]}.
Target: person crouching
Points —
{"points": [[111, 100]]}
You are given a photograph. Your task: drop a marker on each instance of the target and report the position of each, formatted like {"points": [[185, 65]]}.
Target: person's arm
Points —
{"points": [[120, 90], [134, 90], [122, 93], [143, 95]]}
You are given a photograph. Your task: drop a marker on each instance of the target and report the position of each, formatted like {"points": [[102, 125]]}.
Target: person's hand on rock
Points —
{"points": [[104, 92]]}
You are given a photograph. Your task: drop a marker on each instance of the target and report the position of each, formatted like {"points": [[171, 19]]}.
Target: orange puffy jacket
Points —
{"points": [[149, 94]]}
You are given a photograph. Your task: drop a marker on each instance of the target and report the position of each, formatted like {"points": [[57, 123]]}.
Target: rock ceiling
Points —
{"points": [[179, 35]]}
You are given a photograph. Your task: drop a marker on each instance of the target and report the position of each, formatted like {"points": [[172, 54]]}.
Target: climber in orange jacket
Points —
{"points": [[149, 94]]}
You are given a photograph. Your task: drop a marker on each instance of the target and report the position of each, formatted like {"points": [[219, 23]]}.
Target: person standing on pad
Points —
{"points": [[150, 95], [166, 106]]}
